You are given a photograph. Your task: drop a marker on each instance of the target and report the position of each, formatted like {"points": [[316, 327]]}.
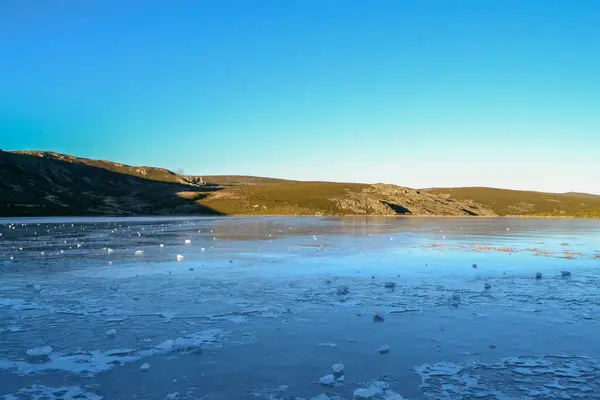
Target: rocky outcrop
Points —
{"points": [[384, 199]]}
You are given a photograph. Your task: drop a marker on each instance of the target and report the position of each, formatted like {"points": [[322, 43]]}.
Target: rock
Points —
{"points": [[384, 349], [389, 285], [487, 286], [378, 317], [565, 273], [538, 275], [145, 367], [342, 290], [492, 346], [474, 265]]}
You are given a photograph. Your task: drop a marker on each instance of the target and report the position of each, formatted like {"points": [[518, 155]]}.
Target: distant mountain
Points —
{"points": [[37, 183], [517, 202]]}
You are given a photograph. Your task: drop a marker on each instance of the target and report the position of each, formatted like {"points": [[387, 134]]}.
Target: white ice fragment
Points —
{"points": [[384, 349], [145, 367], [179, 257], [342, 290], [78, 245], [109, 250], [43, 351], [338, 368], [188, 241], [172, 396], [12, 258], [203, 249], [37, 287], [368, 393], [111, 332], [162, 245], [487, 286], [110, 263], [42, 253], [332, 345], [327, 380], [139, 252]]}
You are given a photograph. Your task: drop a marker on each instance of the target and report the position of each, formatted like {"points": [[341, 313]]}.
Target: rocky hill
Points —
{"points": [[35, 183]]}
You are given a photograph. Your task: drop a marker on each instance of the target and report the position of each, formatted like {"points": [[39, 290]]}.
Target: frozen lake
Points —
{"points": [[265, 308]]}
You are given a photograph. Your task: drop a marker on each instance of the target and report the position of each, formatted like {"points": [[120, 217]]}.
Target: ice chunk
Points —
{"points": [[172, 396], [384, 349], [111, 332], [327, 380], [37, 287], [179, 257], [368, 393], [188, 241], [162, 245], [145, 367], [43, 351], [338, 368], [139, 252], [109, 250], [342, 290]]}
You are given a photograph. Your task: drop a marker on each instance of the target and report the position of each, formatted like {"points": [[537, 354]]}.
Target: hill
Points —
{"points": [[517, 202], [36, 183]]}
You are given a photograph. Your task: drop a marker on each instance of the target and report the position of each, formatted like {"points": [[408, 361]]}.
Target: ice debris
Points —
{"points": [[111, 332], [188, 241], [179, 257], [43, 351], [338, 368], [139, 252], [145, 367], [327, 380], [384, 349]]}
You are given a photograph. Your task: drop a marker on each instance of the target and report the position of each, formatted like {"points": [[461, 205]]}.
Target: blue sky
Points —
{"points": [[418, 93]]}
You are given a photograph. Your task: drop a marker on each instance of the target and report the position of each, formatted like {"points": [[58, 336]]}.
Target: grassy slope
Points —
{"points": [[281, 198], [516, 202]]}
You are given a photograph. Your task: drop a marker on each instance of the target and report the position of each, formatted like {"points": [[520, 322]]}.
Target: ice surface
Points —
{"points": [[279, 298], [39, 392]]}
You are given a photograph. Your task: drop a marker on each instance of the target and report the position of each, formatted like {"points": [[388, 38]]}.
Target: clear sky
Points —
{"points": [[418, 93]]}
